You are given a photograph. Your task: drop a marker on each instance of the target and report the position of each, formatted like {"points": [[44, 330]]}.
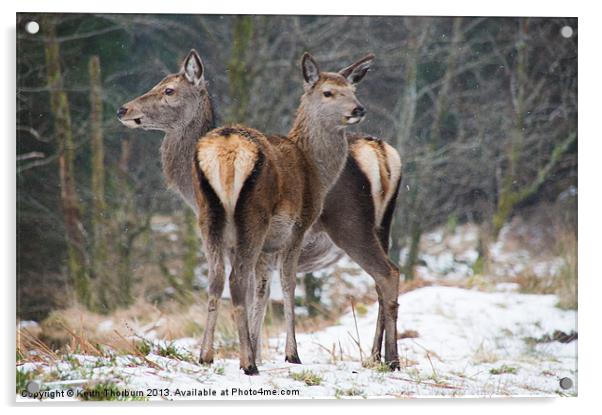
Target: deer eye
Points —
{"points": [[169, 91], [327, 94]]}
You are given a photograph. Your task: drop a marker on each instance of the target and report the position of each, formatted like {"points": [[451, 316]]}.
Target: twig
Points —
{"points": [[330, 352], [276, 369], [436, 385], [357, 332], [137, 352], [428, 356]]}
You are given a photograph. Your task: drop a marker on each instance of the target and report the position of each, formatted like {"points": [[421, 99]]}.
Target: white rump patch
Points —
{"points": [[394, 164], [226, 175], [368, 161]]}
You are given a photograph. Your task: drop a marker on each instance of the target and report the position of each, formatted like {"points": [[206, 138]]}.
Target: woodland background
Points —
{"points": [[482, 110]]}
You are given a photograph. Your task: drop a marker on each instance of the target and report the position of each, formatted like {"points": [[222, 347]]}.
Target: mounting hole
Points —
{"points": [[566, 383], [566, 31], [33, 387], [32, 27]]}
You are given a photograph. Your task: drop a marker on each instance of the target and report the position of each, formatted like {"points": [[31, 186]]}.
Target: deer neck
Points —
{"points": [[325, 147], [177, 151]]}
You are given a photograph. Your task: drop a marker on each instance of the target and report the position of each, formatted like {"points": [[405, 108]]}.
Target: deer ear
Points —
{"points": [[356, 71], [311, 72], [193, 67]]}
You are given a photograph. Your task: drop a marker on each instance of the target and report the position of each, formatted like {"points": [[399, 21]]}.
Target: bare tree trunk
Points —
{"points": [[99, 269], [413, 251], [59, 105], [505, 198], [239, 81]]}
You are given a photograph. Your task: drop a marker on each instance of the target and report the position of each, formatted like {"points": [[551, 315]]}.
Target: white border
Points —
{"points": [[590, 189]]}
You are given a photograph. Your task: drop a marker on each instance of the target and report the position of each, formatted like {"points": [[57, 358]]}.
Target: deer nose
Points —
{"points": [[358, 112], [121, 112]]}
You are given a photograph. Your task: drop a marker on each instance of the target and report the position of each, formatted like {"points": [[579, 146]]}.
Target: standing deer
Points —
{"points": [[180, 106], [258, 196]]}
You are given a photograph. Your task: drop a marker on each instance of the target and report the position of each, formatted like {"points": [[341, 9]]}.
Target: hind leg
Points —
{"points": [[391, 306], [216, 288], [250, 237], [288, 280], [366, 250], [380, 329], [242, 271], [262, 296]]}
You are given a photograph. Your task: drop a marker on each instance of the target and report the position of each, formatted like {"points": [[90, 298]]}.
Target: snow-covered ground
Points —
{"points": [[468, 343], [453, 341]]}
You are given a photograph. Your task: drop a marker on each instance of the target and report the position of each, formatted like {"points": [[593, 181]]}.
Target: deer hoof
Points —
{"points": [[251, 370], [293, 359], [394, 365], [205, 360]]}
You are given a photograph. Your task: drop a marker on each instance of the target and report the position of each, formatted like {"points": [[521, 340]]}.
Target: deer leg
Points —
{"points": [[288, 280], [216, 288], [242, 270], [380, 329], [366, 250], [262, 295], [390, 305]]}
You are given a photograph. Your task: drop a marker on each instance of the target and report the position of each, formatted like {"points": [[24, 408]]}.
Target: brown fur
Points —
{"points": [[281, 198]]}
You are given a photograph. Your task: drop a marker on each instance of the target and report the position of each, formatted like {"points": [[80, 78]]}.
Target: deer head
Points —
{"points": [[330, 96], [173, 103]]}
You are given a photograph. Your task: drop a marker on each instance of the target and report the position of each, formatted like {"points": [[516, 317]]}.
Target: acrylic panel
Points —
{"points": [[292, 207]]}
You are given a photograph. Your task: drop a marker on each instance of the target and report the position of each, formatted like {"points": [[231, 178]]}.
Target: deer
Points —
{"points": [[181, 107]]}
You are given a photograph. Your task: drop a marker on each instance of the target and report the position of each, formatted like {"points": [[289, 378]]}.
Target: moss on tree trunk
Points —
{"points": [[59, 105]]}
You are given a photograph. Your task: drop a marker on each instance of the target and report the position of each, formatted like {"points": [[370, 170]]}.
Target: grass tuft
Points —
{"points": [[380, 367], [171, 351], [144, 347], [503, 369], [308, 377], [353, 391]]}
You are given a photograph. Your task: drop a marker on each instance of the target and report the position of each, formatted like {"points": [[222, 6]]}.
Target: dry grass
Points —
{"points": [[567, 279], [564, 282], [484, 355], [79, 330]]}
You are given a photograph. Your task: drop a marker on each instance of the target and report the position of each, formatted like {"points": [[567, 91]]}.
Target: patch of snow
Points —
{"points": [[105, 326], [464, 338], [27, 324], [162, 227], [507, 287]]}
